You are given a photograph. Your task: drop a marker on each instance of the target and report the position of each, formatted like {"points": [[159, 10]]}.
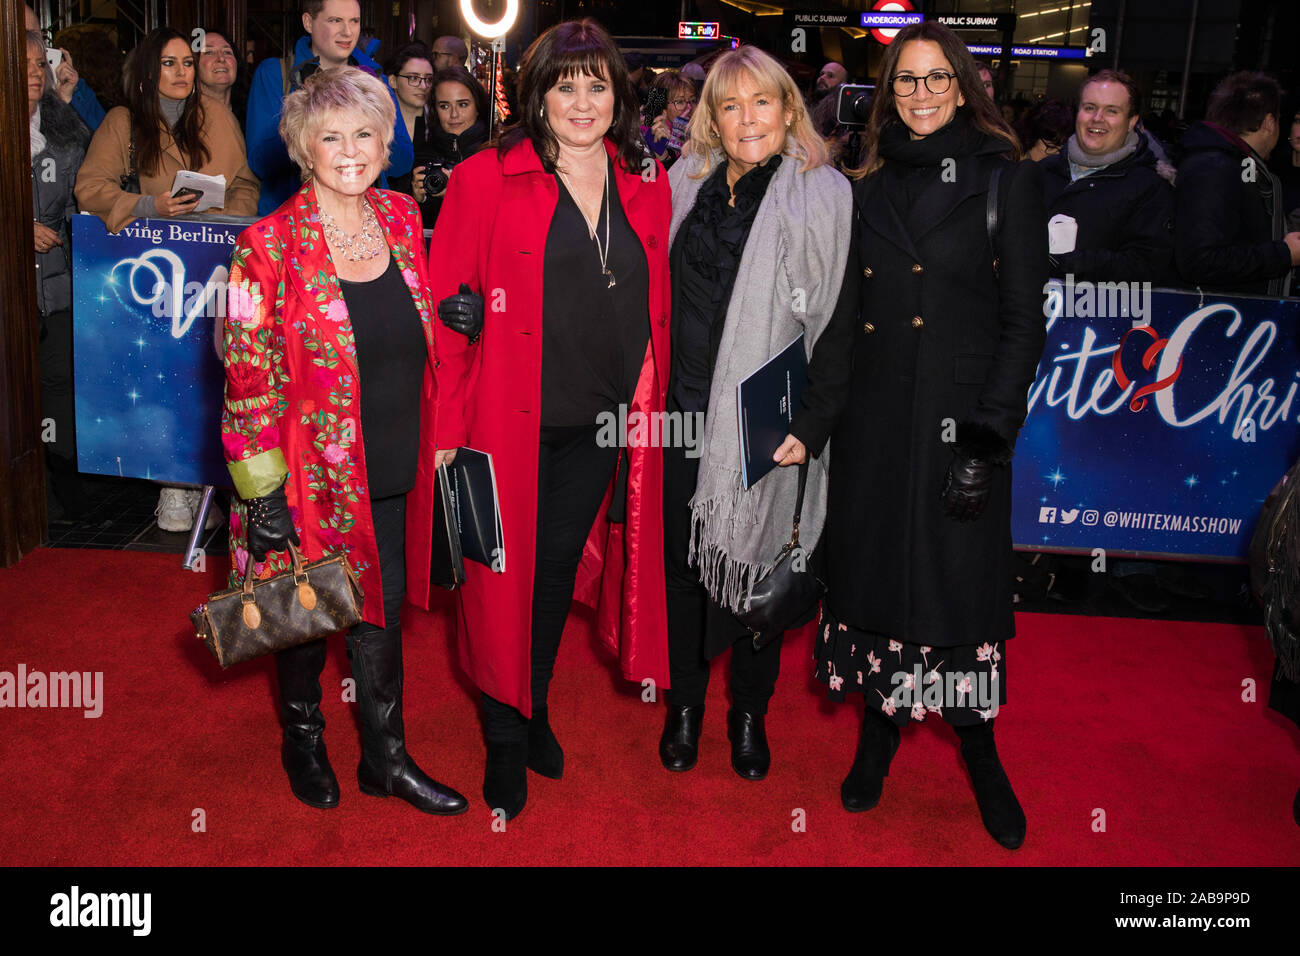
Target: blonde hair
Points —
{"points": [[329, 92], [802, 140]]}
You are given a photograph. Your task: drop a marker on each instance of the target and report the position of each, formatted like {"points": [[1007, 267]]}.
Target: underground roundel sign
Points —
{"points": [[886, 36]]}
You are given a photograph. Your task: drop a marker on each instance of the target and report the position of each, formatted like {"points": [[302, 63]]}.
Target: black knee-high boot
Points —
{"points": [[302, 752], [386, 768], [999, 808], [505, 778], [877, 743]]}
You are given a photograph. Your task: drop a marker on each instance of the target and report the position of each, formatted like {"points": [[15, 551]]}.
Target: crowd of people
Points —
{"points": [[557, 276]]}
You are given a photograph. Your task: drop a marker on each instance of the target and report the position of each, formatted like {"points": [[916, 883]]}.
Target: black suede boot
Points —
{"points": [[679, 746], [302, 752], [750, 756], [386, 769], [505, 778], [999, 808], [877, 744], [544, 753]]}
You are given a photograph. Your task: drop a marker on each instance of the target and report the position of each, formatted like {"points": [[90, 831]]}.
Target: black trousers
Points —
{"points": [[573, 473], [389, 516], [692, 613]]}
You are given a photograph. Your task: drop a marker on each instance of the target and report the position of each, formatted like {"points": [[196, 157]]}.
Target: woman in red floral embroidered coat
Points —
{"points": [[327, 293]]}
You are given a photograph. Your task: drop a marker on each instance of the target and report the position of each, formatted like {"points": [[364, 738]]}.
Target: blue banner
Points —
{"points": [[148, 381], [1158, 422]]}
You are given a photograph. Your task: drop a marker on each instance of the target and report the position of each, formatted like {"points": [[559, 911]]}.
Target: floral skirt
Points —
{"points": [[964, 685]]}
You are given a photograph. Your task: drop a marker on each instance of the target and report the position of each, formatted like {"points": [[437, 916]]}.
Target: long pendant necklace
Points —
{"points": [[366, 244], [602, 252]]}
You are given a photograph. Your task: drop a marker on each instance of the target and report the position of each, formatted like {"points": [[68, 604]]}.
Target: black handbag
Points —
{"points": [[782, 598], [1275, 570]]}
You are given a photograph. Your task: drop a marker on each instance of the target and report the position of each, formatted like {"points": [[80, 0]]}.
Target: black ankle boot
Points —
{"points": [[505, 778], [386, 769], [679, 746], [545, 756], [302, 753], [750, 756], [877, 744], [999, 808]]}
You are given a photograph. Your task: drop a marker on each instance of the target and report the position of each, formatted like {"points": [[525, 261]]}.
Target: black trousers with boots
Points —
{"points": [[573, 473], [693, 614]]}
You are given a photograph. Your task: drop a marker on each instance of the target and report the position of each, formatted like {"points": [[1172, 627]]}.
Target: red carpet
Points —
{"points": [[1141, 720]]}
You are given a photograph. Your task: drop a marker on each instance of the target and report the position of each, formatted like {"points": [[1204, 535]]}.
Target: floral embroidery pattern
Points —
{"points": [[291, 377]]}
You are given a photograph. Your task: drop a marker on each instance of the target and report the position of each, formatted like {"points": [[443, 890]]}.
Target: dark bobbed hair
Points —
{"points": [[458, 74], [1242, 100], [1052, 121], [147, 119], [1121, 78], [983, 113], [562, 52], [415, 50]]}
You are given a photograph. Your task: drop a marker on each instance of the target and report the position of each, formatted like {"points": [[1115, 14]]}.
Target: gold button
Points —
{"points": [[916, 267], [867, 272], [868, 327], [917, 321]]}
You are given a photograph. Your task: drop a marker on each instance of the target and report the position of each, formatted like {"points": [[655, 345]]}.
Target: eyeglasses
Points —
{"points": [[418, 79], [904, 84], [681, 104]]}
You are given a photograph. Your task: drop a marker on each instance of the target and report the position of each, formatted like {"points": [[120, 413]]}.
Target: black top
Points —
{"points": [[593, 335], [704, 262], [391, 354]]}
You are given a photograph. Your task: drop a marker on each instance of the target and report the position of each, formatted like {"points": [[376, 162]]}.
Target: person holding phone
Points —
{"points": [[669, 106], [136, 153], [131, 165]]}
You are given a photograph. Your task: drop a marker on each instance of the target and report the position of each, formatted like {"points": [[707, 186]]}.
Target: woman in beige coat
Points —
{"points": [[171, 129], [132, 163]]}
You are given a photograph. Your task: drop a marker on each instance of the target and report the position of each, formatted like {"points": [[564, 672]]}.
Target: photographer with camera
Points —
{"points": [[461, 106]]}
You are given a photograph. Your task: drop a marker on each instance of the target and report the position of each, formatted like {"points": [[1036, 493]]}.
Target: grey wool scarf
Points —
{"points": [[787, 285]]}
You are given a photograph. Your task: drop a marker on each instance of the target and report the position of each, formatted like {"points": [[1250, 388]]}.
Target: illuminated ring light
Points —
{"points": [[490, 31], [884, 37]]}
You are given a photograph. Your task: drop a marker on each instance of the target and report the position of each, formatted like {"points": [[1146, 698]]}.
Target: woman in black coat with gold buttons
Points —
{"points": [[950, 330]]}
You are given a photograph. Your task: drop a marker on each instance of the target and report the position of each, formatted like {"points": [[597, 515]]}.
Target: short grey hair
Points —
{"points": [[327, 92]]}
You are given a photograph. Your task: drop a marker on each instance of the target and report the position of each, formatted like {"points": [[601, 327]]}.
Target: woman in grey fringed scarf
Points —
{"points": [[759, 240]]}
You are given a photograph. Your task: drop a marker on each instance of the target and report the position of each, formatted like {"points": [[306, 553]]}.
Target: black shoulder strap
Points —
{"points": [[991, 209]]}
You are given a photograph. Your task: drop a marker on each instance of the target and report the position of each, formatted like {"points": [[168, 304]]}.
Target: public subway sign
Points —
{"points": [[148, 382], [1158, 421]]}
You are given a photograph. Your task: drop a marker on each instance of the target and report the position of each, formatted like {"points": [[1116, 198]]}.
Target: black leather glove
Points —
{"points": [[978, 453], [270, 528], [463, 313], [966, 488]]}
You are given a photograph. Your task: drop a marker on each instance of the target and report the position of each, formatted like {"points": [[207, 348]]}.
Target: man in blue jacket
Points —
{"points": [[333, 28]]}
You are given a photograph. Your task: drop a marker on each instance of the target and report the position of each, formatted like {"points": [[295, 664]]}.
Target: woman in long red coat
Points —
{"points": [[563, 232], [329, 301]]}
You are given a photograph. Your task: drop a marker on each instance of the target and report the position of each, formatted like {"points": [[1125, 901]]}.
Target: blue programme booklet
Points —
{"points": [[765, 402]]}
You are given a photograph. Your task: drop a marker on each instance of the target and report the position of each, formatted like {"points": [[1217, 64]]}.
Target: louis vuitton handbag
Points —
{"points": [[302, 604]]}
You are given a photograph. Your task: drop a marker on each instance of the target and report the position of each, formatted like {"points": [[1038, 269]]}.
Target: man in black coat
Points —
{"points": [[1106, 181], [1231, 233]]}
